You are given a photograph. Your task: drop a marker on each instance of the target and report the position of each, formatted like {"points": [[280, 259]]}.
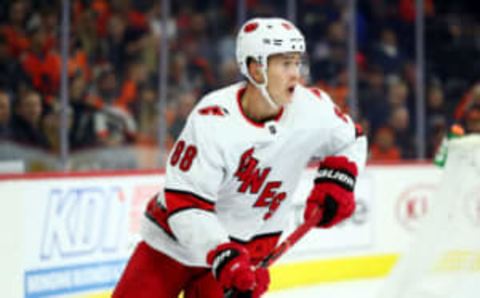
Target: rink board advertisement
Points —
{"points": [[78, 231]]}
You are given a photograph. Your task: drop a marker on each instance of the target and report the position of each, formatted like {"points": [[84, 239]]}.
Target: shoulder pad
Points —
{"points": [[214, 110], [317, 92]]}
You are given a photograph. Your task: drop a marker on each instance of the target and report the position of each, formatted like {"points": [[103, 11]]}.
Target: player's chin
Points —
{"points": [[288, 97], [283, 99]]}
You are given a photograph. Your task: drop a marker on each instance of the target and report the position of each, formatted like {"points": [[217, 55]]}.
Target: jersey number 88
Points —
{"points": [[183, 155]]}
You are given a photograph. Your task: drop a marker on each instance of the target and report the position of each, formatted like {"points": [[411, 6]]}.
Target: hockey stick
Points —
{"points": [[281, 249]]}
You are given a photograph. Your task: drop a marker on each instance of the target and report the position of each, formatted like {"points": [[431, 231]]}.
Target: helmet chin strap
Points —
{"points": [[267, 96], [263, 88]]}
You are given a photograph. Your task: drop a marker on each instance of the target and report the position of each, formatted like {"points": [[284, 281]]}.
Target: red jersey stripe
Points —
{"points": [[179, 200]]}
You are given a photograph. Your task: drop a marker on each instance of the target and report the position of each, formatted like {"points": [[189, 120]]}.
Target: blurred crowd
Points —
{"points": [[113, 64]]}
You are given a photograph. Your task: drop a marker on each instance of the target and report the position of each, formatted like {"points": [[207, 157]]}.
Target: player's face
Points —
{"points": [[283, 75]]}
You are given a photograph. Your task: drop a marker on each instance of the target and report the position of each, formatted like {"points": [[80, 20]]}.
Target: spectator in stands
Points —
{"points": [[51, 123], [156, 30], [436, 119], [198, 69], [409, 74], [399, 122], [199, 32], [5, 116], [42, 65], [178, 79], [338, 90], [135, 79], [330, 55], [123, 43], [436, 106], [12, 77], [115, 31], [186, 102], [78, 60], [113, 124], [387, 53], [384, 147], [146, 115], [226, 46], [82, 134], [85, 31], [115, 44], [26, 122], [155, 22], [14, 30], [372, 99], [397, 94], [406, 9], [456, 49], [138, 32], [48, 18]]}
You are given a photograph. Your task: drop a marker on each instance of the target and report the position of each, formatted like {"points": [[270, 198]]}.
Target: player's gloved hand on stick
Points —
{"points": [[232, 268], [333, 191]]}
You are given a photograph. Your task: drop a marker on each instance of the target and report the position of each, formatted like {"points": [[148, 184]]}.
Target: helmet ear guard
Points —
{"points": [[260, 38]]}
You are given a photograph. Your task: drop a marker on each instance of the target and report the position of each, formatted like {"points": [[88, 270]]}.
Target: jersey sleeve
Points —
{"points": [[344, 138], [195, 162], [194, 174]]}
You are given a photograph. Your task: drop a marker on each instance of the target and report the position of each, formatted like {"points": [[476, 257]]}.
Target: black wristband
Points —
{"points": [[222, 259], [338, 176]]}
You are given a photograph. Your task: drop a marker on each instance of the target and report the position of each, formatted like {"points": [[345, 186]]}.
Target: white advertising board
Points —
{"points": [[74, 234], [78, 232]]}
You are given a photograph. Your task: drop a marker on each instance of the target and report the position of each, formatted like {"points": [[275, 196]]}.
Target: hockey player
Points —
{"points": [[233, 170]]}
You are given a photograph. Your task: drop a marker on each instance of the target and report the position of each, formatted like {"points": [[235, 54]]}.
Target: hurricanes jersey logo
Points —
{"points": [[254, 181]]}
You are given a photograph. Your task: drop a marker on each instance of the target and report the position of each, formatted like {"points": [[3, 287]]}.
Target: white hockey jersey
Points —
{"points": [[229, 178]]}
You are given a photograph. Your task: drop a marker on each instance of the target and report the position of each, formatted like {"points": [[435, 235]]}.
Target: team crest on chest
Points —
{"points": [[254, 180]]}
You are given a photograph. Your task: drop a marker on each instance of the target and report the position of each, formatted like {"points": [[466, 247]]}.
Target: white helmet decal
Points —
{"points": [[260, 38]]}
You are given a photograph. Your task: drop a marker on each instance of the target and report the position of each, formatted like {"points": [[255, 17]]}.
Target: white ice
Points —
{"points": [[352, 289], [468, 288]]}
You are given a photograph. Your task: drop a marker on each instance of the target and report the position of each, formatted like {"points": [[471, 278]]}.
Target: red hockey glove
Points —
{"points": [[232, 268], [333, 191]]}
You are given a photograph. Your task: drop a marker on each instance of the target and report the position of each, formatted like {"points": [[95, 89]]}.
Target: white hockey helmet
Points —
{"points": [[260, 38]]}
